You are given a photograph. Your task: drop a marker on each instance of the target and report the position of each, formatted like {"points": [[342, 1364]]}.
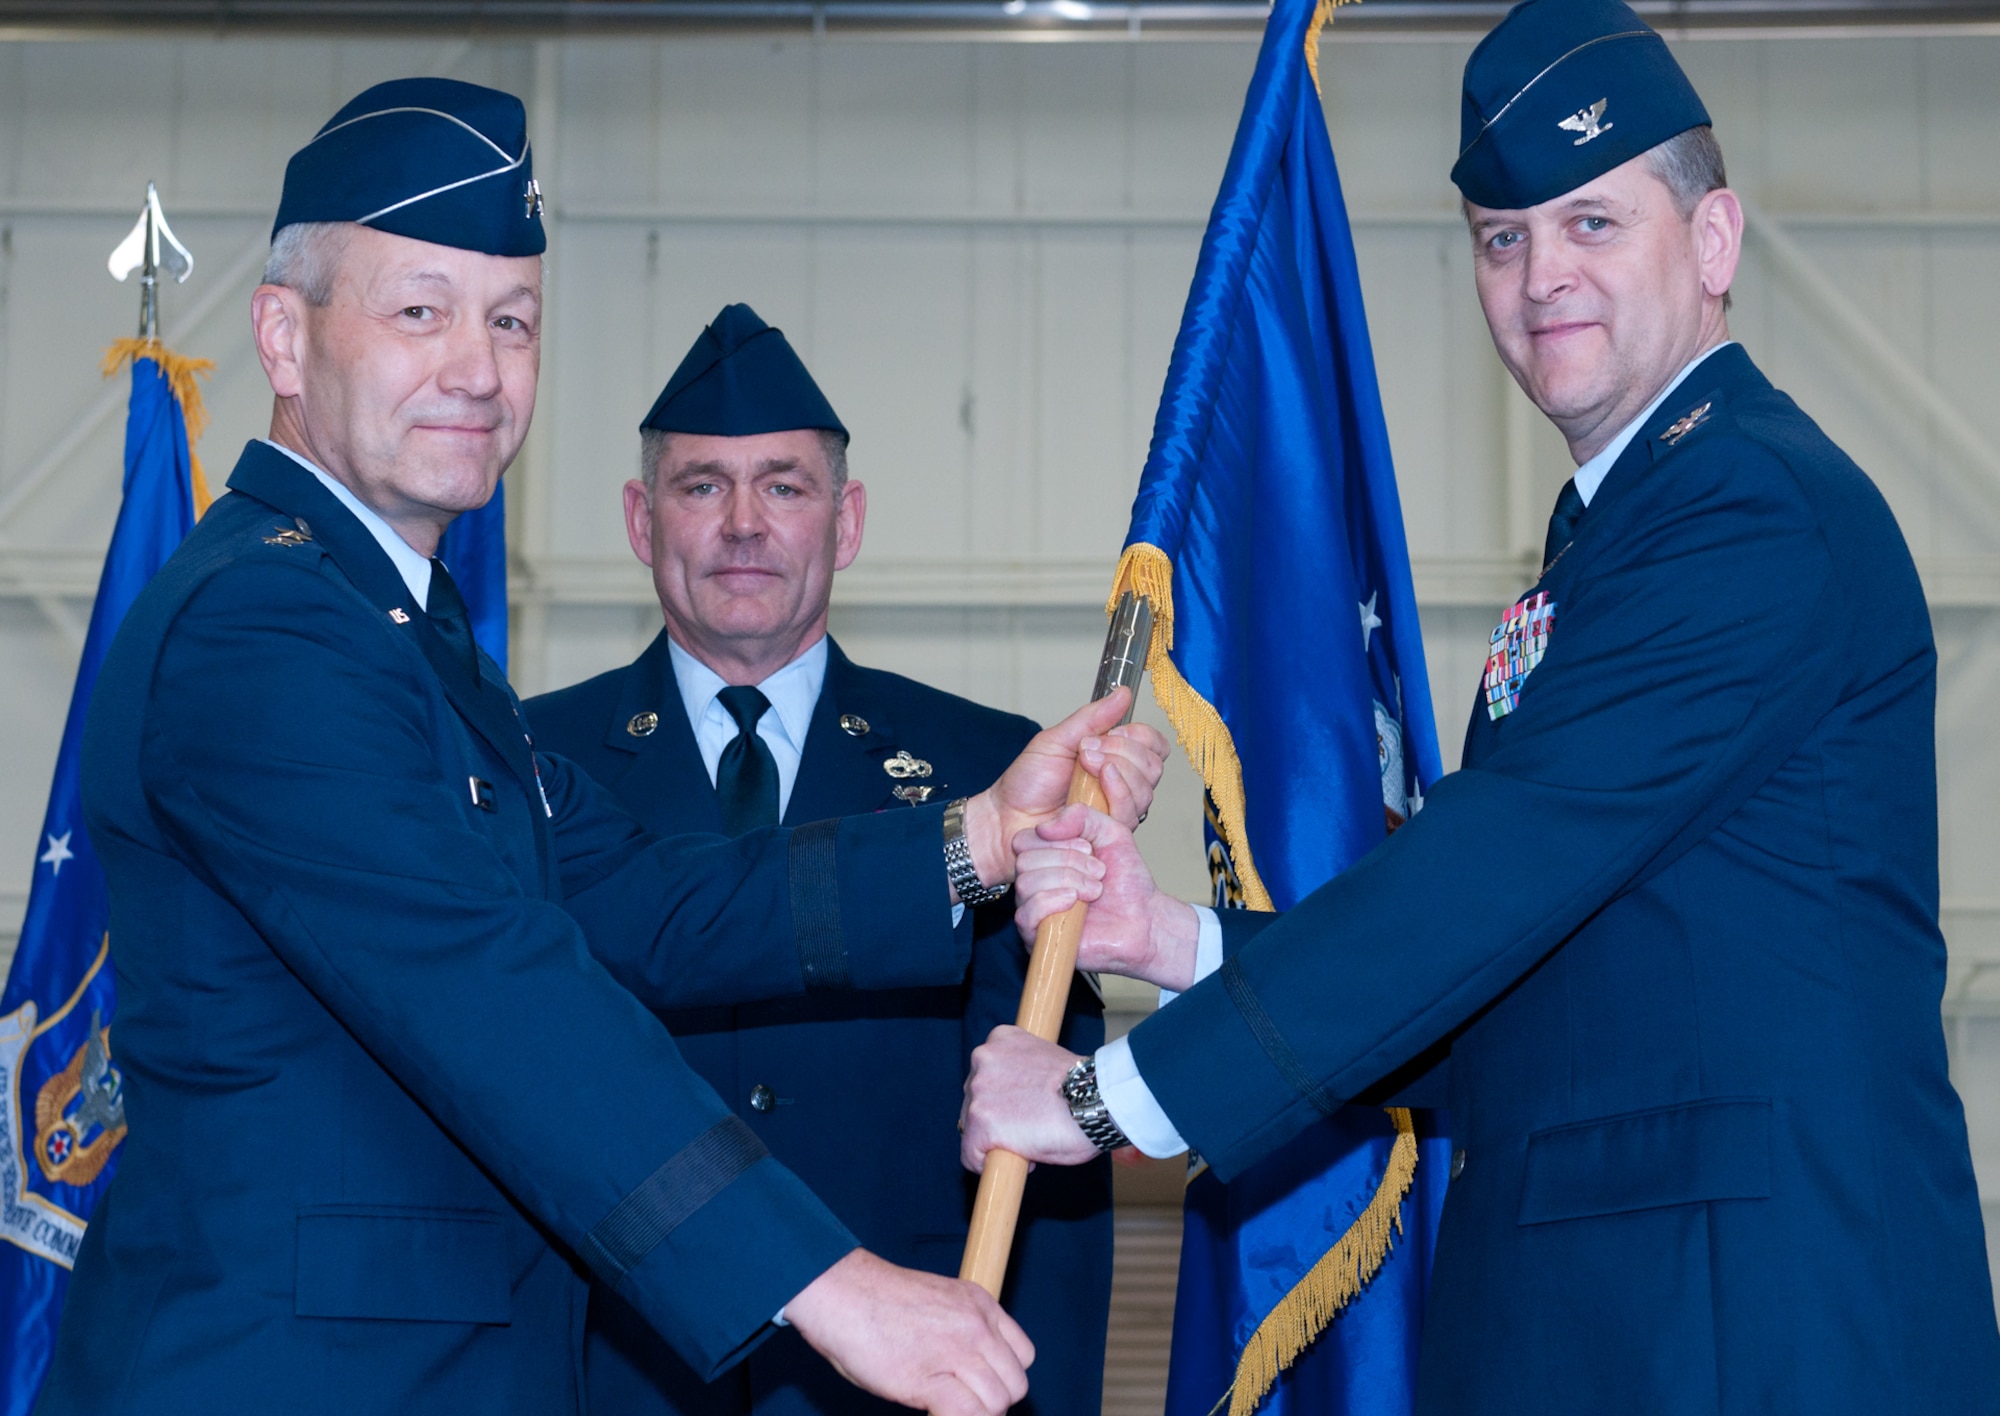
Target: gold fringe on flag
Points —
{"points": [[1145, 570], [181, 370], [1322, 17], [1332, 1283]]}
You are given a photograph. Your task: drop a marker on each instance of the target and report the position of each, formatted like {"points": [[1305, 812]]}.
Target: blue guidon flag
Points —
{"points": [[1268, 534], [62, 1108]]}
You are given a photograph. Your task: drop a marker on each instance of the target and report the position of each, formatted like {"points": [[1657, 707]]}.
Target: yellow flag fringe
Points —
{"points": [[181, 371], [1145, 570], [1332, 1283]]}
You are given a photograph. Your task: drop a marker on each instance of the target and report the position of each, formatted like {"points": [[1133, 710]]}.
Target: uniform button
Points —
{"points": [[1457, 1157], [762, 1098]]}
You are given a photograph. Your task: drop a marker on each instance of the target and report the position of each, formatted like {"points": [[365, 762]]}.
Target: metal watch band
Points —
{"points": [[1088, 1108], [958, 865]]}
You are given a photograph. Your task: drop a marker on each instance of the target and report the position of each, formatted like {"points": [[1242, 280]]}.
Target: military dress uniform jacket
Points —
{"points": [[858, 1094], [1669, 946], [388, 1098]]}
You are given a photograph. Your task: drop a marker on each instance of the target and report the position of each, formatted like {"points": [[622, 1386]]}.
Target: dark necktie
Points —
{"points": [[746, 779], [446, 608], [1562, 523]]}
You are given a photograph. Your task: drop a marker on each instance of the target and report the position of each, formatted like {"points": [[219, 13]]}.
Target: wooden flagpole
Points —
{"points": [[1046, 996]]}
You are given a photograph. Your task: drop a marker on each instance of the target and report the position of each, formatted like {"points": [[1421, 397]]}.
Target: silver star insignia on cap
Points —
{"points": [[1686, 425], [532, 195], [642, 724], [854, 725]]}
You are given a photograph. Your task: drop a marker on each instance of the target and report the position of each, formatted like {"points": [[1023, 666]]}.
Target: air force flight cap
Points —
{"points": [[741, 378], [1561, 92], [432, 159]]}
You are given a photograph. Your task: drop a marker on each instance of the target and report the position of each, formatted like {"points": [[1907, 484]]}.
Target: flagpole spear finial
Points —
{"points": [[142, 250]]}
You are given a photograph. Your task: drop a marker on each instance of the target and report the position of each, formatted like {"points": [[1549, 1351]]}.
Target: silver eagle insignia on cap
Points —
{"points": [[1587, 121]]}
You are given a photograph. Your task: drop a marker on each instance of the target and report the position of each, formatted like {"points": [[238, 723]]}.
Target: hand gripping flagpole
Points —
{"points": [[1045, 997]]}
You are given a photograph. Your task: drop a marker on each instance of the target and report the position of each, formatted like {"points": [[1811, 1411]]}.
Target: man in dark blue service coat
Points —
{"points": [[386, 973], [741, 714], [1668, 942]]}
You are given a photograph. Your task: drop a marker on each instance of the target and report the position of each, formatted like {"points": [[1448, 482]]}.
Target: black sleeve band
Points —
{"points": [[693, 1176], [1272, 1041], [816, 907]]}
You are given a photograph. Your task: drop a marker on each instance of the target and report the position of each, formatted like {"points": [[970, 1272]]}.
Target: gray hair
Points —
{"points": [[654, 446], [1690, 165], [305, 257]]}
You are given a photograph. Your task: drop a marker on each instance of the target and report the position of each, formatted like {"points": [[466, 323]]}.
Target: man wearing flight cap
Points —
{"points": [[390, 1090], [1668, 944], [745, 712]]}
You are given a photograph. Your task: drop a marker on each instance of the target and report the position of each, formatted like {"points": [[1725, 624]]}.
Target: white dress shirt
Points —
{"points": [[1126, 1096], [793, 691], [412, 566]]}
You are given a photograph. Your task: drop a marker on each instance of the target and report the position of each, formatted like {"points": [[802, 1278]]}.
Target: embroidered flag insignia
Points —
{"points": [[1518, 645]]}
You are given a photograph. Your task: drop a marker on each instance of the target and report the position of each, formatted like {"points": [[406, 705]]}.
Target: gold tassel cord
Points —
{"points": [[1332, 1283], [1145, 570], [181, 371]]}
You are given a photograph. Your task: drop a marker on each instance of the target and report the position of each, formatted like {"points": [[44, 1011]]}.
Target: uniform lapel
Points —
{"points": [[664, 783], [840, 772], [273, 478]]}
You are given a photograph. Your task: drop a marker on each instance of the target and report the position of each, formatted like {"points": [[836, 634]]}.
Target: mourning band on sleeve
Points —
{"points": [[667, 1198], [816, 907], [1271, 1040]]}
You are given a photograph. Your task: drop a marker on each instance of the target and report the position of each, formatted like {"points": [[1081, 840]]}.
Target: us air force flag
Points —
{"points": [[62, 1109], [1268, 532]]}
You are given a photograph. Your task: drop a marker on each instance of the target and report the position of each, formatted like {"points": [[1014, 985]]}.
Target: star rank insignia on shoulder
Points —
{"points": [[1672, 436], [297, 534]]}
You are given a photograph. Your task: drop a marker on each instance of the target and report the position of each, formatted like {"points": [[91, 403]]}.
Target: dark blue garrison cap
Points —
{"points": [[432, 159], [1561, 92], [741, 378]]}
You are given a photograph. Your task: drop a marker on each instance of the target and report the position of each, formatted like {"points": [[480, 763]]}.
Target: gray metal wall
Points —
{"points": [[981, 249]]}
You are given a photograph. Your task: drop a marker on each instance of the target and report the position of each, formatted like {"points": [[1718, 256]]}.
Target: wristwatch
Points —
{"points": [[1088, 1108], [958, 860]]}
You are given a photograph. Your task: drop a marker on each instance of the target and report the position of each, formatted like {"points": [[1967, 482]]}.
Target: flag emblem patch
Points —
{"points": [[1518, 645]]}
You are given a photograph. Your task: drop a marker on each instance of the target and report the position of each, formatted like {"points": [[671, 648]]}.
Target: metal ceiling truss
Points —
{"points": [[1031, 20]]}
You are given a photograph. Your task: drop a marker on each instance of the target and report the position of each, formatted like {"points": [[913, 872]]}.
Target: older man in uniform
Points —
{"points": [[1668, 944], [391, 1093], [744, 713]]}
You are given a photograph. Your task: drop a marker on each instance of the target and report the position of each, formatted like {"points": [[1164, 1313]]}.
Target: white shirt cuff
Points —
{"points": [[1130, 1102], [957, 914], [778, 1318], [1207, 954]]}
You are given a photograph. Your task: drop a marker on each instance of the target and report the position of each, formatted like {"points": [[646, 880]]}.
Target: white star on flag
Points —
{"points": [[1370, 621], [58, 852]]}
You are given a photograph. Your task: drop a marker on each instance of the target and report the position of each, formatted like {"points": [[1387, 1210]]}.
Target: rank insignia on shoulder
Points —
{"points": [[297, 534], [643, 724], [399, 615], [1518, 645], [854, 725], [915, 796], [1686, 425], [903, 765]]}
